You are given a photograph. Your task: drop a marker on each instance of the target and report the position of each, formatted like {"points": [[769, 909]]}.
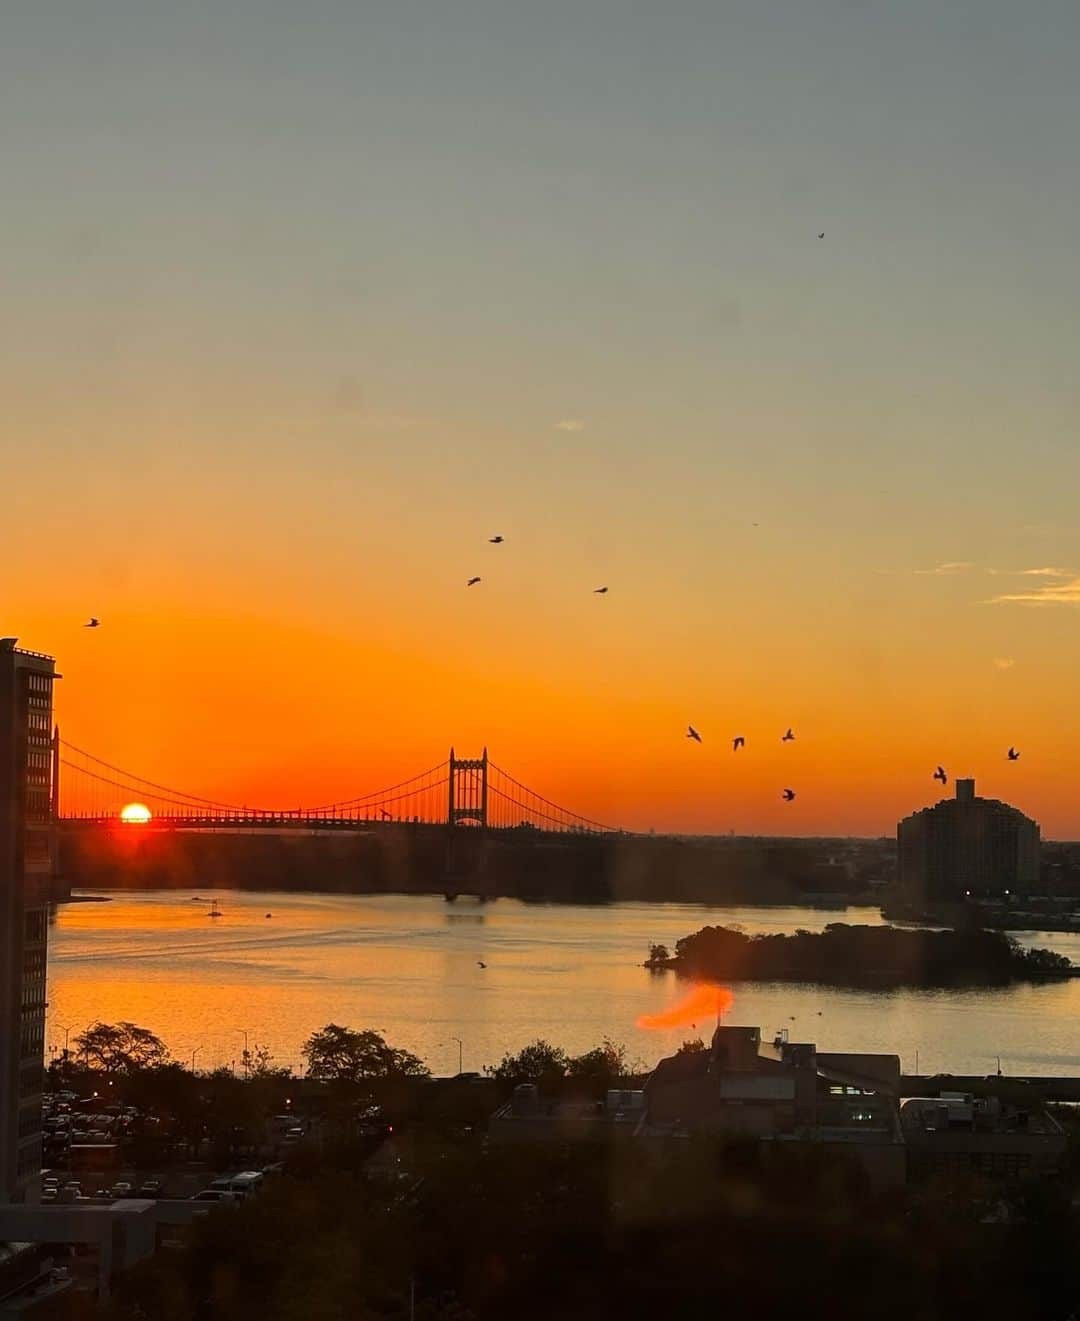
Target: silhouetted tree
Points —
{"points": [[598, 1069], [844, 954], [693, 1047], [120, 1048], [340, 1054], [540, 1063]]}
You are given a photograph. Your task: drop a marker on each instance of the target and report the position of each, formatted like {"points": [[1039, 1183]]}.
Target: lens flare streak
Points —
{"points": [[701, 1002]]}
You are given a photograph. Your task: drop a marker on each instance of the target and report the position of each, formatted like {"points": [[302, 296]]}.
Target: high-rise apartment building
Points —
{"points": [[27, 850], [967, 847]]}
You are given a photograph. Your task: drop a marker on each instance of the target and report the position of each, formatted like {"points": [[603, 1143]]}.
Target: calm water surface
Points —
{"points": [[409, 966]]}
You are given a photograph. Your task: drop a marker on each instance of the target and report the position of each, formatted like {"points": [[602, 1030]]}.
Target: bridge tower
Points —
{"points": [[466, 826], [468, 791]]}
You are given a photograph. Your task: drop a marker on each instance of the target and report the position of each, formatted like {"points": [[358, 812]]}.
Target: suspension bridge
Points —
{"points": [[466, 793]]}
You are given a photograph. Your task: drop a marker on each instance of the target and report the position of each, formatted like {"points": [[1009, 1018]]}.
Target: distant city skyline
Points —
{"points": [[301, 313]]}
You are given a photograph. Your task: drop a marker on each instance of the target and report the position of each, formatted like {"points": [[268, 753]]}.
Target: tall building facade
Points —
{"points": [[27, 852], [967, 847]]}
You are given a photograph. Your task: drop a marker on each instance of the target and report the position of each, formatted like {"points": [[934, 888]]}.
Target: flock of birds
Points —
{"points": [[739, 741], [788, 795], [498, 541], [788, 736]]}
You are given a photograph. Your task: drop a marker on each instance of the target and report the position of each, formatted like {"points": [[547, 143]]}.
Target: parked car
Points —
{"points": [[216, 1195], [122, 1189], [150, 1188]]}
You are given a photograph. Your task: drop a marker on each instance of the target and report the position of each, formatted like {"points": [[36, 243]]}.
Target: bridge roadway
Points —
{"points": [[275, 821], [253, 821]]}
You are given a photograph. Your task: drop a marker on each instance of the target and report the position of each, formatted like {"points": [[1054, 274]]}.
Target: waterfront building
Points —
{"points": [[782, 1092], [967, 847], [957, 1132], [27, 850]]}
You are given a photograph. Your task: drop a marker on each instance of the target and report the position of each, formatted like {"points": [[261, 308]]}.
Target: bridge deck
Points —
{"points": [[292, 821]]}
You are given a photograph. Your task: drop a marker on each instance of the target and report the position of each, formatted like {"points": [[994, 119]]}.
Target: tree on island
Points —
{"points": [[120, 1049], [848, 955], [340, 1054]]}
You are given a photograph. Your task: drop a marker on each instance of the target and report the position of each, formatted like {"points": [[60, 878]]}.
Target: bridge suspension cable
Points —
{"points": [[538, 805], [380, 795], [131, 781], [480, 794]]}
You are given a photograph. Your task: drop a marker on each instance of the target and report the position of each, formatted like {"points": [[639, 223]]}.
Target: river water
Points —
{"points": [[409, 966]]}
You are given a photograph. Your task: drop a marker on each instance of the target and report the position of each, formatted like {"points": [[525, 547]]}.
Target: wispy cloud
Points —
{"points": [[948, 568], [1051, 593], [1047, 573], [570, 424], [1003, 662]]}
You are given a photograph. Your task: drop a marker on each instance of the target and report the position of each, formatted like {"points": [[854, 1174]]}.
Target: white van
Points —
{"points": [[244, 1184]]}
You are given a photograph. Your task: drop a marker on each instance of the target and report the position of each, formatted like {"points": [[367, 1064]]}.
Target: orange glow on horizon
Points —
{"points": [[592, 717], [702, 1001], [136, 814]]}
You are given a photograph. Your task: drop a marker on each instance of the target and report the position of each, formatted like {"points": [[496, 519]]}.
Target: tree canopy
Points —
{"points": [[850, 955], [553, 1070], [341, 1054], [120, 1048]]}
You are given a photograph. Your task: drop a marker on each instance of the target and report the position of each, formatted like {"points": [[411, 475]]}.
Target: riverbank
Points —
{"points": [[861, 956], [522, 864]]}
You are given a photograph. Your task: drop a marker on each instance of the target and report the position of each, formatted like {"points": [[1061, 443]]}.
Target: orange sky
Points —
{"points": [[276, 707]]}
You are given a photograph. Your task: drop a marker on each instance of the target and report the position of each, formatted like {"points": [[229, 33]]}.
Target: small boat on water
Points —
{"points": [[215, 911]]}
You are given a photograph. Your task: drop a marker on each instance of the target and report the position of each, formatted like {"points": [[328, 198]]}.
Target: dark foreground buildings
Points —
{"points": [[26, 865], [967, 848]]}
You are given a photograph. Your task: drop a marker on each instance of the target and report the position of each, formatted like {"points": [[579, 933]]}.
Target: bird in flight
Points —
{"points": [[599, 591], [472, 582], [495, 541], [1014, 755], [93, 623], [789, 737], [480, 963], [738, 742], [939, 774], [691, 732], [821, 235], [788, 795]]}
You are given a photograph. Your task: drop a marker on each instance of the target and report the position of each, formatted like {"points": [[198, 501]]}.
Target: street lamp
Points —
{"points": [[247, 1058], [193, 1054], [460, 1048]]}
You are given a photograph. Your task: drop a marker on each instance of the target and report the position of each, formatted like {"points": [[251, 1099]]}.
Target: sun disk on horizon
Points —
{"points": [[136, 814]]}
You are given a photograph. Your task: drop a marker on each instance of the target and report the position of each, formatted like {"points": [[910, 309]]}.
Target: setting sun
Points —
{"points": [[135, 813]]}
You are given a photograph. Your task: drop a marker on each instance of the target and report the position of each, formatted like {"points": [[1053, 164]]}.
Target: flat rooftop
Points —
{"points": [[927, 1118]]}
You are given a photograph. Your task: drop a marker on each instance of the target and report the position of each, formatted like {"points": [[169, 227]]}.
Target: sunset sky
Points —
{"points": [[302, 303]]}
